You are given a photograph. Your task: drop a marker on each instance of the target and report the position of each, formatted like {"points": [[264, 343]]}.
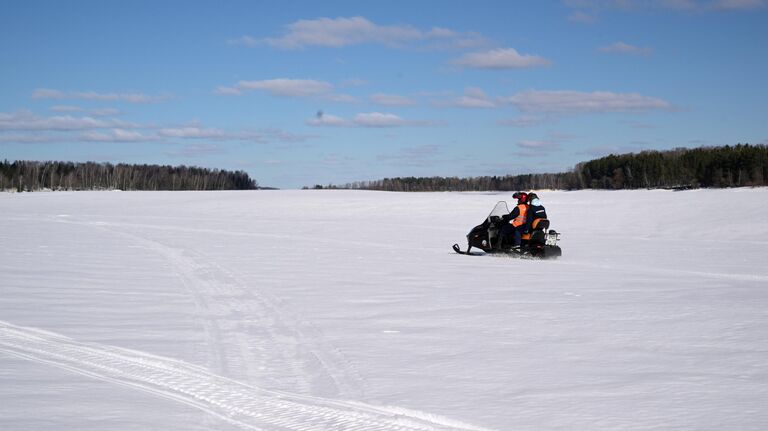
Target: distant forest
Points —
{"points": [[31, 176], [728, 166]]}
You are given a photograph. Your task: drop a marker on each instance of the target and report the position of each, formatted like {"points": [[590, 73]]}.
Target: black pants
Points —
{"points": [[510, 231]]}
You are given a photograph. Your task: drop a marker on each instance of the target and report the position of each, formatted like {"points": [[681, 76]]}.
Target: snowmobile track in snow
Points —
{"points": [[250, 336], [245, 406]]}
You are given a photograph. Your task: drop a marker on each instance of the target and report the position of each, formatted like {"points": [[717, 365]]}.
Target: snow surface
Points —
{"points": [[335, 310]]}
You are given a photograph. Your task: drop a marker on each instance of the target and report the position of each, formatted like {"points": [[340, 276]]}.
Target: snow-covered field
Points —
{"points": [[347, 310]]}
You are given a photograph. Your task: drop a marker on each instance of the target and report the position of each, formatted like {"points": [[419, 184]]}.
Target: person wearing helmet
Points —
{"points": [[516, 220], [535, 210]]}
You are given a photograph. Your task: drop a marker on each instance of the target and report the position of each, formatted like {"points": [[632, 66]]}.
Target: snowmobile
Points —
{"points": [[540, 241]]}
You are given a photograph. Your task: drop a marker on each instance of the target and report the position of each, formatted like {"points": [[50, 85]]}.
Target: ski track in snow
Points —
{"points": [[245, 406]]}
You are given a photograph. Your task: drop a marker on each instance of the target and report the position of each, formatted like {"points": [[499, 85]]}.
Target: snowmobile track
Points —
{"points": [[245, 406], [250, 336]]}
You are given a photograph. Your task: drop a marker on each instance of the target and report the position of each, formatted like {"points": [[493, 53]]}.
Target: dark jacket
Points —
{"points": [[535, 212]]}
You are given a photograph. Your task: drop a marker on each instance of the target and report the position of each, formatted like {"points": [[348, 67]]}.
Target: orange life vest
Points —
{"points": [[520, 219]]}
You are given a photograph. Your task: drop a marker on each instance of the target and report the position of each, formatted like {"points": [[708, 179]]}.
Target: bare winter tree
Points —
{"points": [[31, 175]]}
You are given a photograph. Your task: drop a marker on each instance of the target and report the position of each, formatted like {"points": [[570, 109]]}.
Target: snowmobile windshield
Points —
{"points": [[499, 210]]}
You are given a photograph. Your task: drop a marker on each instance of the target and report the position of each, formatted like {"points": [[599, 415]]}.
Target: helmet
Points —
{"points": [[532, 196], [521, 197]]}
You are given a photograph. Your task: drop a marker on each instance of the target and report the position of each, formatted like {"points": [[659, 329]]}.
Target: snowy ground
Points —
{"points": [[334, 310]]}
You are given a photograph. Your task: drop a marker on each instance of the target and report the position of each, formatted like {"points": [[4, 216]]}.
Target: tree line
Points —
{"points": [[53, 175], [727, 166]]}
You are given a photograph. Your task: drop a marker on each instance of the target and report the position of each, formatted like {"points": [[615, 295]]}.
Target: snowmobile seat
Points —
{"points": [[536, 234]]}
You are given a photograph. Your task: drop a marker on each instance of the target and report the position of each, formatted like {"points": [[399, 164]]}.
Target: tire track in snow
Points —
{"points": [[245, 406]]}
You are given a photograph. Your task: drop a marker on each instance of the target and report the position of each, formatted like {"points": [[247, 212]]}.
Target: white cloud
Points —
{"points": [[104, 112], [391, 100], [66, 108], [231, 91], [347, 31], [341, 32], [288, 87], [101, 112], [63, 128], [379, 119], [46, 93], [368, 119], [192, 133], [40, 128], [474, 98], [541, 147], [26, 120], [29, 139], [281, 87], [214, 134], [624, 48], [580, 102], [446, 38], [124, 97], [522, 121], [504, 58], [116, 135], [322, 119]]}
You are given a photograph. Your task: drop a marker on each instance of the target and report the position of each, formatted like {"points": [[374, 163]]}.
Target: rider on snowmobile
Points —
{"points": [[535, 210], [516, 220]]}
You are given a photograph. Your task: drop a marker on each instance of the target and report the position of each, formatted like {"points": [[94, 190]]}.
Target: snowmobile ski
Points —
{"points": [[457, 249]]}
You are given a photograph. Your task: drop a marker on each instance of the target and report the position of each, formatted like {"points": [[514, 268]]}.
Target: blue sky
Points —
{"points": [[304, 93]]}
